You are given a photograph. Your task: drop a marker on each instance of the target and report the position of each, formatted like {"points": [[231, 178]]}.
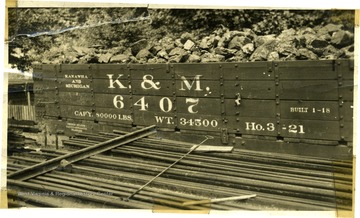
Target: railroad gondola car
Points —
{"points": [[296, 106]]}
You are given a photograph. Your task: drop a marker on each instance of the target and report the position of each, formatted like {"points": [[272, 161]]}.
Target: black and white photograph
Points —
{"points": [[180, 109]]}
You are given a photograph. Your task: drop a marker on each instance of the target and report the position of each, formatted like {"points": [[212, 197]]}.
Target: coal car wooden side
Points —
{"points": [[310, 101]]}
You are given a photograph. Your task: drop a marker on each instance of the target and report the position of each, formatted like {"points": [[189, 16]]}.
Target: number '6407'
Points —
{"points": [[165, 104]]}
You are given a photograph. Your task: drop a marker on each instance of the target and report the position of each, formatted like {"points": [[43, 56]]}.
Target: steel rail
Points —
{"points": [[147, 198], [249, 173], [331, 166], [299, 165], [274, 161], [28, 200], [175, 144], [103, 162], [192, 187], [171, 144], [279, 169], [231, 162], [171, 165], [90, 196], [244, 172], [70, 182], [153, 167], [339, 185], [135, 162], [201, 187], [217, 160], [54, 163], [275, 179]]}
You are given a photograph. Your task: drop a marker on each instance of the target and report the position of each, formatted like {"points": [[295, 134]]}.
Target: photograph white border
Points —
{"points": [[223, 4]]}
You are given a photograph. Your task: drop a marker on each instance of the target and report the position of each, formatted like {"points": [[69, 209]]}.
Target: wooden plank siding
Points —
{"points": [[21, 112]]}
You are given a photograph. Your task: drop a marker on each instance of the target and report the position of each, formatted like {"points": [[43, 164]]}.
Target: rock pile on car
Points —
{"points": [[224, 45]]}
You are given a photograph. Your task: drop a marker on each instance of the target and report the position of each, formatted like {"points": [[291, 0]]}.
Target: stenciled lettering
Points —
{"points": [[142, 104], [118, 101], [169, 104], [124, 117], [161, 119], [113, 116], [189, 85], [253, 126], [321, 110], [148, 83], [77, 86], [83, 113], [76, 127], [270, 126], [309, 110], [116, 81], [292, 128], [299, 109], [198, 122], [71, 76], [193, 102], [76, 82]]}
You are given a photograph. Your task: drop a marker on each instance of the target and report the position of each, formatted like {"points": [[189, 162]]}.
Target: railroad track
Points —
{"points": [[280, 182]]}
